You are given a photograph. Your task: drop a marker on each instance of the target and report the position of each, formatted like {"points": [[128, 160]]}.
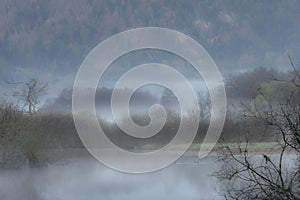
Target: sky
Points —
{"points": [[49, 40]]}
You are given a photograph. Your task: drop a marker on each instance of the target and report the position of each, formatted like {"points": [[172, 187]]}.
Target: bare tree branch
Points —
{"points": [[30, 92], [256, 175]]}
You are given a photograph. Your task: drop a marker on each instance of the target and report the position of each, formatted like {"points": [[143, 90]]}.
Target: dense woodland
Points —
{"points": [[61, 32]]}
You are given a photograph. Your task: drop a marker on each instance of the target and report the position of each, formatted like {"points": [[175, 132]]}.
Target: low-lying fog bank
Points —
{"points": [[87, 179]]}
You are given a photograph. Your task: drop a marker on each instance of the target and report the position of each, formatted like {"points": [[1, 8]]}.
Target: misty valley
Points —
{"points": [[149, 99]]}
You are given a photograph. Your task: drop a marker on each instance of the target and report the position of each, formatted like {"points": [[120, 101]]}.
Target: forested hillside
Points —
{"points": [[62, 32]]}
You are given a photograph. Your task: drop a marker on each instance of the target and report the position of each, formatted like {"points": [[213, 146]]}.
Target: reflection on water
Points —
{"points": [[87, 179]]}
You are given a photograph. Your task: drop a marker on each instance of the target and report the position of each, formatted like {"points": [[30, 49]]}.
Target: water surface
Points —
{"points": [[87, 179]]}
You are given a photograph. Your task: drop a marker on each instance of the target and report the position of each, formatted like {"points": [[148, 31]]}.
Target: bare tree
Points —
{"points": [[204, 105], [268, 174], [30, 93]]}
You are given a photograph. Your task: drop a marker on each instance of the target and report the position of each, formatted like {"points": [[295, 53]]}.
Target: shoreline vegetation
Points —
{"points": [[33, 136], [44, 157], [38, 139]]}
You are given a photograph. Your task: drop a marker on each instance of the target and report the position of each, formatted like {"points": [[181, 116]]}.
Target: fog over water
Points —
{"points": [[85, 178]]}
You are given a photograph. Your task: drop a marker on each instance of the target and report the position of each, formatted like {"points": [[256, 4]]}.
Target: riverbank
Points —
{"points": [[14, 158]]}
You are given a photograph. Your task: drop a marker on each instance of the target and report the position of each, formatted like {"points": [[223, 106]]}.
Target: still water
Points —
{"points": [[87, 179]]}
